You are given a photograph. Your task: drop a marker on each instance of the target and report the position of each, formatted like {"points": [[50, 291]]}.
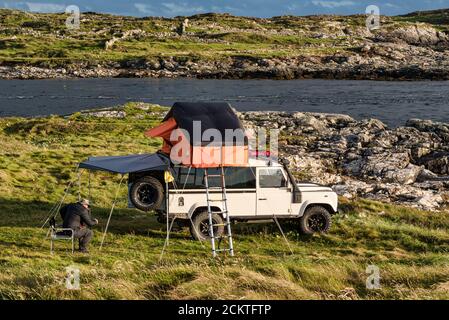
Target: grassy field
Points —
{"points": [[38, 158], [43, 39]]}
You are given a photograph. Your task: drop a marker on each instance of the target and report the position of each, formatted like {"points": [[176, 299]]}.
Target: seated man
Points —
{"points": [[76, 216]]}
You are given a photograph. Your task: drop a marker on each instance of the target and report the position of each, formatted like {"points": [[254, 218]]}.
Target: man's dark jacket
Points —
{"points": [[76, 215]]}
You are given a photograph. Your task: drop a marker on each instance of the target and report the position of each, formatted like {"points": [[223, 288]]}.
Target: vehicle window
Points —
{"points": [[240, 178], [271, 178], [187, 177], [236, 178]]}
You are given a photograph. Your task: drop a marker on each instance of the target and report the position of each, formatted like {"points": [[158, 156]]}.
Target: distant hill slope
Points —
{"points": [[413, 46], [436, 17]]}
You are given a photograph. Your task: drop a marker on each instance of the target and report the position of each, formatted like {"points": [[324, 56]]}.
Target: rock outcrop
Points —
{"points": [[406, 165]]}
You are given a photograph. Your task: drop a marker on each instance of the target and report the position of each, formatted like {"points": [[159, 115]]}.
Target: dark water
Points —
{"points": [[391, 102]]}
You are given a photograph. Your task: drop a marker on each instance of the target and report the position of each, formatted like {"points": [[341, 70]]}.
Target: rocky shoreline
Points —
{"points": [[408, 165], [338, 67]]}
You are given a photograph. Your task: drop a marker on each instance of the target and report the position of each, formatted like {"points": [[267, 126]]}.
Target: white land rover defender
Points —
{"points": [[262, 191]]}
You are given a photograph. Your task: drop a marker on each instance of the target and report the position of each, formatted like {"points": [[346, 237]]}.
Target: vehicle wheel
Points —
{"points": [[200, 226], [316, 219], [147, 193]]}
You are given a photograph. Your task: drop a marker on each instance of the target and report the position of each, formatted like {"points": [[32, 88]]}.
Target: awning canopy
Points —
{"points": [[127, 164]]}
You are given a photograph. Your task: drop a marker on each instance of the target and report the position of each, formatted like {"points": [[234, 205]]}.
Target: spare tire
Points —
{"points": [[147, 193]]}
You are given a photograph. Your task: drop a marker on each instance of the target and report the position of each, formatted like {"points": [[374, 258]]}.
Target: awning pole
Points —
{"points": [[79, 185], [89, 188], [54, 211], [167, 204], [283, 235], [110, 213], [169, 226], [166, 239]]}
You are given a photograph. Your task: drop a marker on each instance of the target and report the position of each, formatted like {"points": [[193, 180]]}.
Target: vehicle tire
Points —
{"points": [[316, 219], [147, 193], [199, 228]]}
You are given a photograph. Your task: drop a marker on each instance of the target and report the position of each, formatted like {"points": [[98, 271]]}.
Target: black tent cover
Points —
{"points": [[127, 164], [213, 115]]}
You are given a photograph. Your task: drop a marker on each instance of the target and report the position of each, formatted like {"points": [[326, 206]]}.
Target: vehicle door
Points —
{"points": [[273, 195], [241, 191]]}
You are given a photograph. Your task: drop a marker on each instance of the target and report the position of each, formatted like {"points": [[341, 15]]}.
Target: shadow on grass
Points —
{"points": [[33, 214], [124, 221]]}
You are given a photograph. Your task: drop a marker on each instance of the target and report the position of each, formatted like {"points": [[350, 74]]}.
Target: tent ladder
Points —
{"points": [[224, 208]]}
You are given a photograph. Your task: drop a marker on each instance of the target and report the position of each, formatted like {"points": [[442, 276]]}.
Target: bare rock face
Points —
{"points": [[308, 122], [437, 162], [391, 167], [406, 165], [441, 130], [109, 44], [407, 175], [418, 34], [351, 188]]}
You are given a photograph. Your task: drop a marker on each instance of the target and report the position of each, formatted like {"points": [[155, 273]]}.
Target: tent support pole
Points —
{"points": [[58, 205], [167, 204], [283, 235], [167, 214], [110, 213], [166, 239], [79, 185], [89, 188]]}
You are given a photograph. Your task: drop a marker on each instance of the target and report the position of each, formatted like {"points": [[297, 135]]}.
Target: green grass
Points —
{"points": [[38, 157], [437, 18], [43, 39]]}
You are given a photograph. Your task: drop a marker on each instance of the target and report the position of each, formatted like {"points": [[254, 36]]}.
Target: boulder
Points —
{"points": [[407, 175], [308, 122], [351, 188], [418, 34], [437, 162]]}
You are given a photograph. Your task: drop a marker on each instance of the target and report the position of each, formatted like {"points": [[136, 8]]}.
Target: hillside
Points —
{"points": [[38, 157], [413, 46]]}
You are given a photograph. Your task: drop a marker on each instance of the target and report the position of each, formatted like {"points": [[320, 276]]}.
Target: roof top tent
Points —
{"points": [[203, 135]]}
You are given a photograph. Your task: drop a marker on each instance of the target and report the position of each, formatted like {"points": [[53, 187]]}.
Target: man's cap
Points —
{"points": [[85, 202]]}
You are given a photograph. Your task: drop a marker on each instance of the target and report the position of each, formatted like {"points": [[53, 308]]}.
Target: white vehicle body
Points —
{"points": [[270, 193]]}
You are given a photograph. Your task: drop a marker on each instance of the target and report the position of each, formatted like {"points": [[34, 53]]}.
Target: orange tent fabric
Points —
{"points": [[216, 156], [200, 155], [163, 131]]}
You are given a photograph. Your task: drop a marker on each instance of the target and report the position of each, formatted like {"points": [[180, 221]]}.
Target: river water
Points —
{"points": [[392, 102]]}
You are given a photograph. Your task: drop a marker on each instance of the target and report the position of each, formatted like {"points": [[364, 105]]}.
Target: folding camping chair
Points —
{"points": [[57, 233]]}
